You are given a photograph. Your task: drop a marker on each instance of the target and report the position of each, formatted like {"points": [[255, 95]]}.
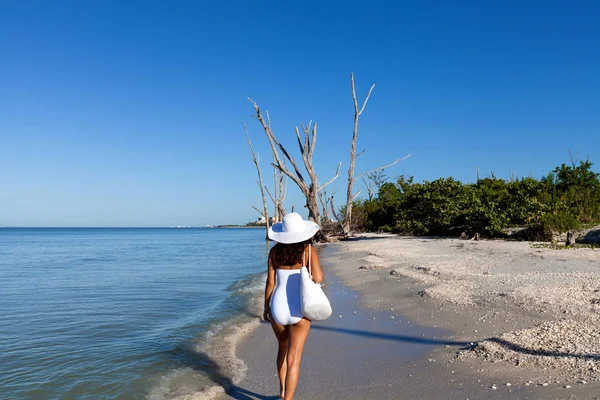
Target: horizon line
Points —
{"points": [[119, 227]]}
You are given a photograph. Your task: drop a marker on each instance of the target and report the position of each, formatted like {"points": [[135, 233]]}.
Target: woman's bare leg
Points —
{"points": [[283, 335], [298, 335]]}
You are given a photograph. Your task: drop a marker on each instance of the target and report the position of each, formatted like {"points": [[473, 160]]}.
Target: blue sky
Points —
{"points": [[124, 113]]}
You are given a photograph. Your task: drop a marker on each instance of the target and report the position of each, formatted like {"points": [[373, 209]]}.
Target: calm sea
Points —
{"points": [[121, 313]]}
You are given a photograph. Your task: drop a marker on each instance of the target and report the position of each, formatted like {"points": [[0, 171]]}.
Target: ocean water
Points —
{"points": [[123, 313]]}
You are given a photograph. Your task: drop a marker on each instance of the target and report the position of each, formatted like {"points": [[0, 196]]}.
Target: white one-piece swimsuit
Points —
{"points": [[285, 302]]}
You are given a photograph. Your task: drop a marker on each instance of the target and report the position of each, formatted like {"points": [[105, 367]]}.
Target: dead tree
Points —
{"points": [[370, 187], [373, 182], [324, 200], [307, 147], [280, 181], [574, 160], [351, 196], [335, 214], [255, 159]]}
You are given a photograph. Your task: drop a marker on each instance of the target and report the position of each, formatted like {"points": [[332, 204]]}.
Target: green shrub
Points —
{"points": [[565, 199]]}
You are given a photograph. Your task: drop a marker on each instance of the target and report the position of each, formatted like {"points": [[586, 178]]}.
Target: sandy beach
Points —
{"points": [[443, 318]]}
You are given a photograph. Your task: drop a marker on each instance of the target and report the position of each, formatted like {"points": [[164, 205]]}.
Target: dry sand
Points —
{"points": [[495, 319]]}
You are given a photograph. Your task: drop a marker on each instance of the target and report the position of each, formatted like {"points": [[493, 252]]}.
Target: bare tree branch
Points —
{"points": [[280, 181], [369, 185], [354, 96], [384, 167], [574, 161], [337, 173], [302, 147], [335, 215], [360, 152], [283, 189], [367, 99], [294, 165], [279, 164], [255, 159], [313, 140], [307, 154], [323, 200], [257, 209], [271, 196], [307, 146]]}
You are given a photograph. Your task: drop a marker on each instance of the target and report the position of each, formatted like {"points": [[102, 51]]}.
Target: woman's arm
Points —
{"points": [[270, 285], [315, 266]]}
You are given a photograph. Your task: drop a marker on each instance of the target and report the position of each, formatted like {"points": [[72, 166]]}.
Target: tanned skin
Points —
{"points": [[290, 338]]}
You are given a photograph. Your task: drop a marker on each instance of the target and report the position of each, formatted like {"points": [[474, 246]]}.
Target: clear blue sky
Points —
{"points": [[123, 113]]}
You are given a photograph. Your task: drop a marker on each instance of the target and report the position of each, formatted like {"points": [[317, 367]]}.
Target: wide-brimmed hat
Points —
{"points": [[292, 229]]}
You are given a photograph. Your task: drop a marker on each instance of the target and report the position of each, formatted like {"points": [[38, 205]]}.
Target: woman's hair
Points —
{"points": [[289, 254]]}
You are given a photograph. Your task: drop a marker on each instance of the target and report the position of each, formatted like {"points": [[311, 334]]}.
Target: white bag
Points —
{"points": [[314, 303]]}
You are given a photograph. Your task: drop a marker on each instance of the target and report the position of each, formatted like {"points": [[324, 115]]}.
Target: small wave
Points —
{"points": [[220, 369], [252, 284], [185, 384]]}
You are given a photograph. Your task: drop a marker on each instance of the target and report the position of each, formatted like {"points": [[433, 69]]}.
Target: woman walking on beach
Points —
{"points": [[282, 294]]}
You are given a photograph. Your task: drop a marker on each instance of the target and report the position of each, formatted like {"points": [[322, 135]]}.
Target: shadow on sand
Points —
{"points": [[592, 237], [364, 238], [397, 236], [389, 336], [520, 349], [466, 345]]}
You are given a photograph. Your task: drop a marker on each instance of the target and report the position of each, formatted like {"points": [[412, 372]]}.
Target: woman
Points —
{"points": [[282, 294]]}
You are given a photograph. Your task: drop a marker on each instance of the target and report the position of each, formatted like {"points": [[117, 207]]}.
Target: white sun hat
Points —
{"points": [[292, 229]]}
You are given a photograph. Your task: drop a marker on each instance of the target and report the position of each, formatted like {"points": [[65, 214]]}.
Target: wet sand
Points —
{"points": [[443, 318]]}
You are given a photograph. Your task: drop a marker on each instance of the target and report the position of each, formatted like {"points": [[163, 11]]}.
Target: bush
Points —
{"points": [[565, 199]]}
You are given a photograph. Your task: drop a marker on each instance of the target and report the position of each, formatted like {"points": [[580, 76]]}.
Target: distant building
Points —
{"points": [[262, 220]]}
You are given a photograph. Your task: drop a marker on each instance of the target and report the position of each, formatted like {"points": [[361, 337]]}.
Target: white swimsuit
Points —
{"points": [[285, 302]]}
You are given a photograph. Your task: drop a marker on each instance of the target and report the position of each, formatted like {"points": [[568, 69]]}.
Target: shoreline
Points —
{"points": [[213, 368], [367, 332], [495, 290]]}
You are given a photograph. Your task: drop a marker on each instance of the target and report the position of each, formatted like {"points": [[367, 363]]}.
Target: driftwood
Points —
{"points": [[570, 238]]}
